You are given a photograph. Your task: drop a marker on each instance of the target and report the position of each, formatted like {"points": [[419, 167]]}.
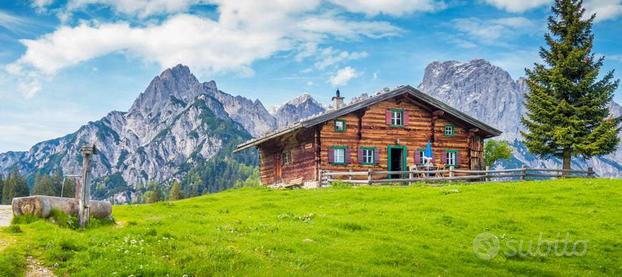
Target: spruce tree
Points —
{"points": [[567, 106], [175, 193]]}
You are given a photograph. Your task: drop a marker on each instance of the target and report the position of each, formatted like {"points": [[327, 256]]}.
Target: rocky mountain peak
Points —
{"points": [[295, 109], [175, 84]]}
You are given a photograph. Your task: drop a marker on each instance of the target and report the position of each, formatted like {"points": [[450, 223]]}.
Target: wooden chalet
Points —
{"points": [[388, 132]]}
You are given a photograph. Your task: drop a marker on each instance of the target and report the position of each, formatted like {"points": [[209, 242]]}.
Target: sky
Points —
{"points": [[65, 63]]}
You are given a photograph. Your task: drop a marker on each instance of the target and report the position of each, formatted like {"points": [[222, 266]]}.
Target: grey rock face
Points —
{"points": [[296, 109], [488, 93], [171, 123], [251, 114]]}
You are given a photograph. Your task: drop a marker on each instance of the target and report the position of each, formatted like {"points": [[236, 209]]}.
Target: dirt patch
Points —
{"points": [[6, 214], [36, 269]]}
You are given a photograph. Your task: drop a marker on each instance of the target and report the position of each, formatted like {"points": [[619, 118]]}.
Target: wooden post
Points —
{"points": [[486, 174], [411, 175], [369, 176], [523, 173], [85, 197], [350, 175], [590, 172], [451, 172]]}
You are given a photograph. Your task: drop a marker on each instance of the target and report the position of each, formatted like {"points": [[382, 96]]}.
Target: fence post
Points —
{"points": [[411, 175], [523, 173], [369, 176], [321, 175], [451, 172], [486, 174], [590, 172], [350, 175]]}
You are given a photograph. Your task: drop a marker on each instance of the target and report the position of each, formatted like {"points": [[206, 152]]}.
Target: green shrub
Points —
{"points": [[14, 229], [61, 219], [12, 263], [24, 219]]}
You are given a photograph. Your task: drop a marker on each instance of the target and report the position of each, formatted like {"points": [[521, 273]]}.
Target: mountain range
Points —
{"points": [[180, 128]]}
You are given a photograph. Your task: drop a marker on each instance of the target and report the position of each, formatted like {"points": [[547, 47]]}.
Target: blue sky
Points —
{"points": [[64, 63]]}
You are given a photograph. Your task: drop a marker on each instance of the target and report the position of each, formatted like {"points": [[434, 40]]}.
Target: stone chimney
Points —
{"points": [[337, 100]]}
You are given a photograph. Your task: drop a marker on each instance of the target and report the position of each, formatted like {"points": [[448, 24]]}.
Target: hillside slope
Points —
{"points": [[379, 231]]}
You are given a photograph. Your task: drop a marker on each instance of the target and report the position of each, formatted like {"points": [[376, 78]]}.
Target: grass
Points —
{"points": [[381, 231]]}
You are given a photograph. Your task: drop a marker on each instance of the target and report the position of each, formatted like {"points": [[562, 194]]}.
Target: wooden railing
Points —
{"points": [[446, 175]]}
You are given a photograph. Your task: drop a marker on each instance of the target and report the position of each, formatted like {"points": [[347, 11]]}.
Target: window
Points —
{"points": [[452, 158], [449, 130], [368, 155], [420, 155], [397, 117], [338, 155], [286, 157], [340, 125]]}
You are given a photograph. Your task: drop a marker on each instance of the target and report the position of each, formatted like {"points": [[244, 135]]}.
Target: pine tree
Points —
{"points": [[21, 186], [567, 107], [69, 188], [14, 186], [44, 186], [175, 193]]}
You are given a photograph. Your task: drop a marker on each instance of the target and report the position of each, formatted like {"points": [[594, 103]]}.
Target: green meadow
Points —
{"points": [[545, 228]]}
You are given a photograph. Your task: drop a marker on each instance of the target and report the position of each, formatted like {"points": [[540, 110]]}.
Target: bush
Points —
{"points": [[14, 229], [24, 219], [12, 263]]}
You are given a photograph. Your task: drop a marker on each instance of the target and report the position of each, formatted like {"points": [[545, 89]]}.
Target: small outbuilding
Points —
{"points": [[393, 131]]}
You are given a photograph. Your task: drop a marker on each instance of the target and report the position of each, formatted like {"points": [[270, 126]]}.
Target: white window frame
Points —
{"points": [[339, 155], [451, 158], [397, 117], [368, 156]]}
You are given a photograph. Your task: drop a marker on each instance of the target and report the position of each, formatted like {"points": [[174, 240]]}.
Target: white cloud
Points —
{"points": [[474, 30], [604, 9], [245, 31], [517, 5], [390, 7], [343, 76], [14, 23], [330, 56]]}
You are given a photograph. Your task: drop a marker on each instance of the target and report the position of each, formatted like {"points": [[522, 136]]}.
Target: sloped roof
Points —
{"points": [[332, 114]]}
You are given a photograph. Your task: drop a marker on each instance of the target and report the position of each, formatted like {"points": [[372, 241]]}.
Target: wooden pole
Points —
{"points": [[451, 172], [369, 176], [590, 172], [84, 187], [523, 173], [486, 174]]}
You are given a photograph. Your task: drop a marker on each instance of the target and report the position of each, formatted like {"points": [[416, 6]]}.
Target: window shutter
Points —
{"points": [[457, 159], [360, 155], [331, 155], [387, 118], [406, 118], [347, 155], [444, 157], [417, 156], [376, 157]]}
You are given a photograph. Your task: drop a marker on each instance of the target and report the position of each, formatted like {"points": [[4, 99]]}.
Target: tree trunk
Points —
{"points": [[42, 206], [566, 162]]}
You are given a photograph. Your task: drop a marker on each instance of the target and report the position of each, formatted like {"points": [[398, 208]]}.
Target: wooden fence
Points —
{"points": [[411, 176]]}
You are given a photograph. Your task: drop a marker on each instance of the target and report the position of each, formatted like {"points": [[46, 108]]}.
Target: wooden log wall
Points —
{"points": [[302, 147], [374, 132]]}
